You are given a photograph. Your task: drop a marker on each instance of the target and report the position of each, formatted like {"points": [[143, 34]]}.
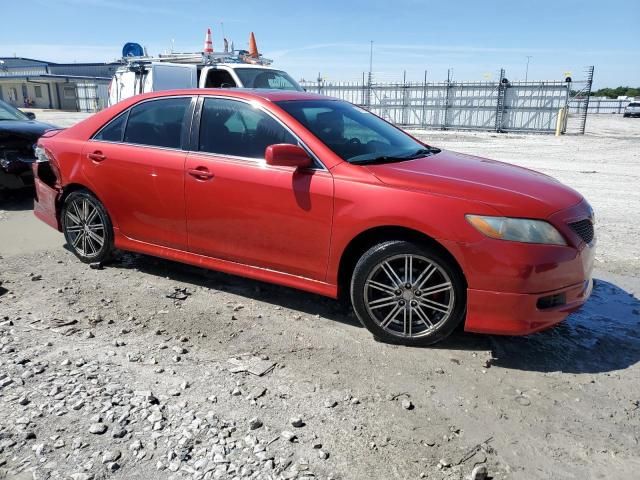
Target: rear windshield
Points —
{"points": [[634, 105], [266, 78]]}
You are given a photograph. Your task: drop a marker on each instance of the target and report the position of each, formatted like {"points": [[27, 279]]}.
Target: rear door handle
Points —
{"points": [[96, 156], [201, 173]]}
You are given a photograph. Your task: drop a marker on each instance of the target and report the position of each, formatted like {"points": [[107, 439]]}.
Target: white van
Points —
{"points": [[142, 77]]}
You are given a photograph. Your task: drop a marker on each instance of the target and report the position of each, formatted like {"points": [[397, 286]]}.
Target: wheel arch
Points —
{"points": [[373, 236], [74, 187]]}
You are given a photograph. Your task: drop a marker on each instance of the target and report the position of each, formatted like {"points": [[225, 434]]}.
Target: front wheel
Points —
{"points": [[87, 227], [407, 293]]}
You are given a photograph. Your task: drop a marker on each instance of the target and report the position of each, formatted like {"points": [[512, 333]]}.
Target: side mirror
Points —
{"points": [[287, 155], [30, 115]]}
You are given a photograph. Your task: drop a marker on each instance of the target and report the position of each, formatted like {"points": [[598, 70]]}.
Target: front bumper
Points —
{"points": [[519, 313], [517, 288]]}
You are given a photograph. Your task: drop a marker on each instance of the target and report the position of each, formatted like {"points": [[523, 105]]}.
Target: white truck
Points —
{"points": [[134, 79], [229, 69]]}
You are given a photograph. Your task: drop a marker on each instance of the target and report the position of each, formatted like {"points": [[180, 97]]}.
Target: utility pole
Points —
{"points": [[526, 73], [370, 78]]}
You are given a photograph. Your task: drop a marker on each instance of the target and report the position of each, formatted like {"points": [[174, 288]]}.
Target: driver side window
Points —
{"points": [[230, 127]]}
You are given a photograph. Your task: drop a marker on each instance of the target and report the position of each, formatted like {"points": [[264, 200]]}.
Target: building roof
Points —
{"points": [[21, 62]]}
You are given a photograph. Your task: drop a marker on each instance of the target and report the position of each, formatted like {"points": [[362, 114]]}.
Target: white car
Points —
{"points": [[632, 110]]}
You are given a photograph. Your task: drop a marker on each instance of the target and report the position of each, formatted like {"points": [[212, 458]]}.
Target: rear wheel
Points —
{"points": [[87, 227], [408, 293]]}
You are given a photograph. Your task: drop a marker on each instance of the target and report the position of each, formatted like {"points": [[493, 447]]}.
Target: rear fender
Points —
{"points": [[47, 194]]}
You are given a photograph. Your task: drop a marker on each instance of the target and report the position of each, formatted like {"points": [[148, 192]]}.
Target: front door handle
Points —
{"points": [[201, 173], [96, 156]]}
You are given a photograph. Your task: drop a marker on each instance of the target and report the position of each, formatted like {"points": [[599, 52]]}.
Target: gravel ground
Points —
{"points": [[153, 369]]}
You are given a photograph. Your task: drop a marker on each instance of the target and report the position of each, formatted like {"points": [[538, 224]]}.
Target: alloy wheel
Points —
{"points": [[86, 227], [409, 295]]}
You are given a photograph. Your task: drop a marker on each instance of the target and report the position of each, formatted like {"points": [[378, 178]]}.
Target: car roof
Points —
{"points": [[270, 95]]}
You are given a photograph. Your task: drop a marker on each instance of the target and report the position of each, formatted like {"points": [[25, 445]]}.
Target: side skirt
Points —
{"points": [[226, 266]]}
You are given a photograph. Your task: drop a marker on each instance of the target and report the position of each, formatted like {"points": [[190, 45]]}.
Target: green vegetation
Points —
{"points": [[616, 92]]}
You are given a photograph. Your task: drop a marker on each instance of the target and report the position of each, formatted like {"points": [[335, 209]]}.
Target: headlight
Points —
{"points": [[517, 229]]}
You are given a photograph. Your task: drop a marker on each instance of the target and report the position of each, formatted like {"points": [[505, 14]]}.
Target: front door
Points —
{"points": [[243, 210], [136, 167]]}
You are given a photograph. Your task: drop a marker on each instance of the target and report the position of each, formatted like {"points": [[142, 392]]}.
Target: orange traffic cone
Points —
{"points": [[208, 44], [253, 47]]}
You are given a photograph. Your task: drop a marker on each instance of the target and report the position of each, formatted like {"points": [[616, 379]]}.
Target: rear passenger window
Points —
{"points": [[113, 131], [157, 123], [229, 127]]}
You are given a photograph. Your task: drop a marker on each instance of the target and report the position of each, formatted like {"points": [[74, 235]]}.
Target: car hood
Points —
{"points": [[512, 190], [28, 129]]}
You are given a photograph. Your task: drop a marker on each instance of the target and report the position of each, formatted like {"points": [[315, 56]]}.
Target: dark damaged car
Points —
{"points": [[19, 133]]}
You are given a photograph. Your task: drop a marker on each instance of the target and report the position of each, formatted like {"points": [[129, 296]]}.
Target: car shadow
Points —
{"points": [[306, 303], [603, 336], [17, 200]]}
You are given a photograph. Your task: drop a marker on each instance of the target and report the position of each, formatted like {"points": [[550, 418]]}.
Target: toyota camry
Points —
{"points": [[320, 195]]}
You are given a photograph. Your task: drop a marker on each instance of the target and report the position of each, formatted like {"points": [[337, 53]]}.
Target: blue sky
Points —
{"points": [[473, 38]]}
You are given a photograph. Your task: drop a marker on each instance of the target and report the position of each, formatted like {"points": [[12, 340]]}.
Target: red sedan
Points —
{"points": [[318, 194]]}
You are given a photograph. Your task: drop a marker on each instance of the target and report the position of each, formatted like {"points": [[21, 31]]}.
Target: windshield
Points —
{"points": [[634, 105], [266, 78], [354, 134], [7, 112]]}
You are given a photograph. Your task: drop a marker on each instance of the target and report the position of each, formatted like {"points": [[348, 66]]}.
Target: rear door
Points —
{"points": [[243, 210], [136, 167]]}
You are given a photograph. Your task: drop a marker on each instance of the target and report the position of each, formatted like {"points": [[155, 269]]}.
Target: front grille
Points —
{"points": [[584, 229]]}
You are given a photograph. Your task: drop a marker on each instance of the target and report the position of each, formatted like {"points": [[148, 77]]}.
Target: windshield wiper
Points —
{"points": [[392, 158]]}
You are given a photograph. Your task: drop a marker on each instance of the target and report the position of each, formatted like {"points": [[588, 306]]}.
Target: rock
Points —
{"points": [[330, 403], [89, 334], [256, 392], [97, 428], [323, 455], [179, 350], [355, 401], [111, 456], [119, 433], [236, 392], [81, 476], [406, 404], [184, 385], [5, 381], [146, 395], [23, 400], [255, 423], [522, 400], [287, 435], [136, 445], [297, 422], [479, 473], [113, 466], [59, 443], [444, 463], [78, 405]]}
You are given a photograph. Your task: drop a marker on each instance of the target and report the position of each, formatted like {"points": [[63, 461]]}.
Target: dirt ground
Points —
{"points": [[103, 375]]}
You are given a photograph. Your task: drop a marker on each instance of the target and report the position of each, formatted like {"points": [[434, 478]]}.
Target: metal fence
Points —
{"points": [[603, 106], [92, 96], [500, 106]]}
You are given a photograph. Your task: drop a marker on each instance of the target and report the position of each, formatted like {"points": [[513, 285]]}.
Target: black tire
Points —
{"points": [[87, 248], [429, 322], [626, 115]]}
